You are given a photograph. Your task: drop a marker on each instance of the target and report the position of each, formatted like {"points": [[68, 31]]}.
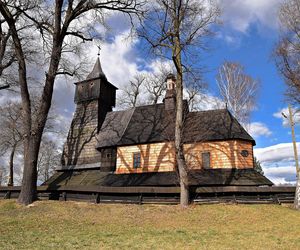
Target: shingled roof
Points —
{"points": [[213, 125], [114, 127], [203, 177], [97, 71], [152, 123]]}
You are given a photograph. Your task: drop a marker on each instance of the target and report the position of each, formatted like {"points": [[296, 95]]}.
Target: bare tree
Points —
{"points": [[175, 27], [2, 175], [155, 83], [238, 90], [61, 27], [150, 88], [11, 134], [131, 94], [7, 55], [145, 88], [194, 92], [287, 51], [49, 159]]}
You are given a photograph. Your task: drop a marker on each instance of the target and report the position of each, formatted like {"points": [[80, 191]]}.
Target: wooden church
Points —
{"points": [[135, 147]]}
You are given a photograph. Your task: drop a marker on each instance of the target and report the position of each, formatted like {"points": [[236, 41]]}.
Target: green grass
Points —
{"points": [[71, 225]]}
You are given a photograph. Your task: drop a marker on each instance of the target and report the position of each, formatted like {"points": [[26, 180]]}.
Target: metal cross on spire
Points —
{"points": [[99, 49]]}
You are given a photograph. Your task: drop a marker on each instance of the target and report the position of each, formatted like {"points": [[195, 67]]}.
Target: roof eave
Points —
{"points": [[95, 78]]}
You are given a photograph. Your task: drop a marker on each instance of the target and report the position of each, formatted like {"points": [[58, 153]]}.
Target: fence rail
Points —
{"points": [[161, 195]]}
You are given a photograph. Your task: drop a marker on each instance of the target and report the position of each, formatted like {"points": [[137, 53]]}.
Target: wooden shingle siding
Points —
{"points": [[154, 158], [223, 154], [160, 157], [80, 145]]}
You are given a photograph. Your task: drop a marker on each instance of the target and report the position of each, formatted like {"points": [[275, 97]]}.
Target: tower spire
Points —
{"points": [[97, 70]]}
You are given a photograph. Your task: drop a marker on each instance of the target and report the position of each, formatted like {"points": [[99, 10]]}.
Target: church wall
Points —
{"points": [[80, 145], [155, 157], [223, 154], [160, 157]]}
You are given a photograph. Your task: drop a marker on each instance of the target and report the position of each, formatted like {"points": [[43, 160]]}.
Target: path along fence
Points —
{"points": [[160, 195]]}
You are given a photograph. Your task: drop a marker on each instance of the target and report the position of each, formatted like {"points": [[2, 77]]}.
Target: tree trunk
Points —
{"points": [[11, 166], [297, 194], [184, 187], [26, 109], [28, 192], [35, 129], [183, 174]]}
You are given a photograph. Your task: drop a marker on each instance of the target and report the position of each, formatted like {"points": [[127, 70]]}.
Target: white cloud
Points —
{"points": [[206, 102], [118, 59], [233, 39], [240, 14], [7, 95], [281, 175], [278, 162], [285, 121], [276, 153], [257, 129]]}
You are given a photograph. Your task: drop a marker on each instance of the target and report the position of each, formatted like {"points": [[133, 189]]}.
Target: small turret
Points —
{"points": [[170, 98]]}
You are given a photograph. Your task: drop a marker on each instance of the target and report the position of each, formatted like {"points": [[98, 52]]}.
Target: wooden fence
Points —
{"points": [[161, 195]]}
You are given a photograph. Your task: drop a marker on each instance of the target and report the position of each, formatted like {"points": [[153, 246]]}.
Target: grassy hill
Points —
{"points": [[71, 225]]}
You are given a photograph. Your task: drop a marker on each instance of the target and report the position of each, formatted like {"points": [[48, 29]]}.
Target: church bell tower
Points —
{"points": [[94, 97]]}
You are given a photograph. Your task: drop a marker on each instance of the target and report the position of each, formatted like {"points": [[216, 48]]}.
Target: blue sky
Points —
{"points": [[253, 50]]}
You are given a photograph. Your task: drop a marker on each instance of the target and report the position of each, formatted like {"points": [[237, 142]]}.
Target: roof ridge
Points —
{"points": [[148, 105], [208, 110]]}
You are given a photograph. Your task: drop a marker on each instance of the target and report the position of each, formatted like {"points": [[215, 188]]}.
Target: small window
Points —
{"points": [[206, 160], [108, 155], [136, 160], [244, 153]]}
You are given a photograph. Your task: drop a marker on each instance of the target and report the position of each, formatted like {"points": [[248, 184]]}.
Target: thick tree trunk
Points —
{"points": [[297, 194], [11, 166], [26, 109], [184, 187], [35, 128], [29, 190]]}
